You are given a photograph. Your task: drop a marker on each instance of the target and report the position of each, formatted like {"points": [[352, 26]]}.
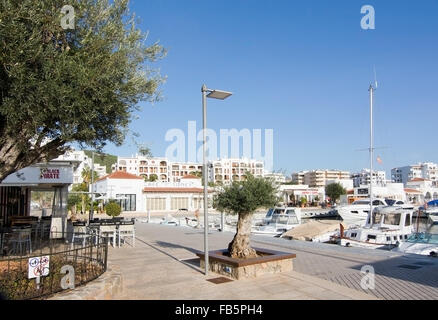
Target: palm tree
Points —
{"points": [[244, 198]]}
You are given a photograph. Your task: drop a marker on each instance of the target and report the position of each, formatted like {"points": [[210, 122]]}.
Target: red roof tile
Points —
{"points": [[120, 175], [173, 189], [418, 179], [190, 176], [407, 190]]}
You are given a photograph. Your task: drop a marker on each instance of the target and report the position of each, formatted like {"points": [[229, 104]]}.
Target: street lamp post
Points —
{"points": [[215, 94]]}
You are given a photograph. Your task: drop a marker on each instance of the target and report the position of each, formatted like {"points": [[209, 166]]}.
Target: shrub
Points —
{"points": [[113, 209]]}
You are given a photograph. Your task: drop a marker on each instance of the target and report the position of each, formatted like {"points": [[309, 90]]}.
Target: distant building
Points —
{"points": [[228, 170], [277, 177], [420, 190], [82, 161], [318, 178], [426, 170], [363, 178], [222, 170], [134, 194], [298, 177]]}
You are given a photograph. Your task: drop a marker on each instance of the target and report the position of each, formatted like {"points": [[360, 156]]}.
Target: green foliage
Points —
{"points": [[303, 200], [113, 209], [145, 151], [246, 196], [334, 191], [78, 85], [153, 177], [103, 159]]}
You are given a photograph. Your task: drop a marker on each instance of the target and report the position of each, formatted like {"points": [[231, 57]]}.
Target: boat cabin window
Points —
{"points": [[399, 202], [408, 220], [377, 217], [390, 202], [392, 219], [388, 238], [290, 212], [378, 203], [371, 237], [270, 212], [279, 211]]}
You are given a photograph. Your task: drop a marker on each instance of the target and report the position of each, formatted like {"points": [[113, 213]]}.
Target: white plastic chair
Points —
{"points": [[109, 231], [126, 231]]}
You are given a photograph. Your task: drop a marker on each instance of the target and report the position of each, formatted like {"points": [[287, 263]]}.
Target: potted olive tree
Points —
{"points": [[243, 198]]}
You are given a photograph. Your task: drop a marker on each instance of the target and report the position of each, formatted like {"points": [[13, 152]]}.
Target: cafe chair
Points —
{"points": [[127, 230], [20, 241]]}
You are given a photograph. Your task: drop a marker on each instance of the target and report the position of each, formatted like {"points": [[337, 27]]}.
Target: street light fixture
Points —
{"points": [[214, 94]]}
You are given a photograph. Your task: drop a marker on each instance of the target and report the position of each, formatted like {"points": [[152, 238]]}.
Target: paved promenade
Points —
{"points": [[163, 266]]}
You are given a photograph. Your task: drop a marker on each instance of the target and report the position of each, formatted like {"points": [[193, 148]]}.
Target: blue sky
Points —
{"points": [[301, 68]]}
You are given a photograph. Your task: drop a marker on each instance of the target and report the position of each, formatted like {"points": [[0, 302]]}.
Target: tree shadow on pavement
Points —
{"points": [[191, 263]]}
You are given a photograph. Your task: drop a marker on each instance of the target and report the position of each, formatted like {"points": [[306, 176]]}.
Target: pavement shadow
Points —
{"points": [[189, 263], [421, 270]]}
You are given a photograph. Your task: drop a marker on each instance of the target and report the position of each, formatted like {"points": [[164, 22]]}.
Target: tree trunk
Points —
{"points": [[240, 247]]}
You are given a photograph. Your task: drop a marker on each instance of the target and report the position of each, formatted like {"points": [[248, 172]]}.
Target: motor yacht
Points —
{"points": [[357, 212], [388, 227], [279, 221]]}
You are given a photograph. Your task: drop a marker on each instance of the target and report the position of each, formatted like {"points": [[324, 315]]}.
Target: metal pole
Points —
{"points": [[92, 189], [204, 174], [371, 154]]}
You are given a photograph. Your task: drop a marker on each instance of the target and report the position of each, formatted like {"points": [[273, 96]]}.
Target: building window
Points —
{"points": [[179, 203], [156, 204], [128, 204]]}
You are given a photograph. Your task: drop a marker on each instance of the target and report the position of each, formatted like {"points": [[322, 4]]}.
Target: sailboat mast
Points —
{"points": [[371, 153]]}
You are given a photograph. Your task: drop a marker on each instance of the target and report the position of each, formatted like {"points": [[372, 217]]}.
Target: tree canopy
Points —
{"points": [[334, 191], [59, 86], [246, 196]]}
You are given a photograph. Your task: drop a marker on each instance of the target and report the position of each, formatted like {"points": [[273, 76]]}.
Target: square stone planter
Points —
{"points": [[268, 262]]}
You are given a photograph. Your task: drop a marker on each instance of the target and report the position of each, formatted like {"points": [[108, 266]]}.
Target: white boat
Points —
{"points": [[280, 221], [420, 243], [433, 217], [357, 212], [388, 227]]}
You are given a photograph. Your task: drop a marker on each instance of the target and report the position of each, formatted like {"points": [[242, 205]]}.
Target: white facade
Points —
{"points": [[293, 193], [125, 188], [276, 177], [426, 170], [363, 178], [82, 161], [426, 190], [228, 170], [224, 170], [318, 178]]}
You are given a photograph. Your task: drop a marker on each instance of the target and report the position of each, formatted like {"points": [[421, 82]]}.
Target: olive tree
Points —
{"points": [[61, 85], [243, 198]]}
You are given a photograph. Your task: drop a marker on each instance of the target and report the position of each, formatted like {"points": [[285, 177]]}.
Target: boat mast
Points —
{"points": [[371, 90]]}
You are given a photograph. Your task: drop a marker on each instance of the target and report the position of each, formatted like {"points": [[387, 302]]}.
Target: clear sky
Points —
{"points": [[301, 68]]}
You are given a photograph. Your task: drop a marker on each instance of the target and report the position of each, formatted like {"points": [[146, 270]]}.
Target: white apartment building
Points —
{"points": [[81, 161], [318, 178], [228, 170], [298, 177], [224, 170], [363, 178], [276, 177], [425, 170]]}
